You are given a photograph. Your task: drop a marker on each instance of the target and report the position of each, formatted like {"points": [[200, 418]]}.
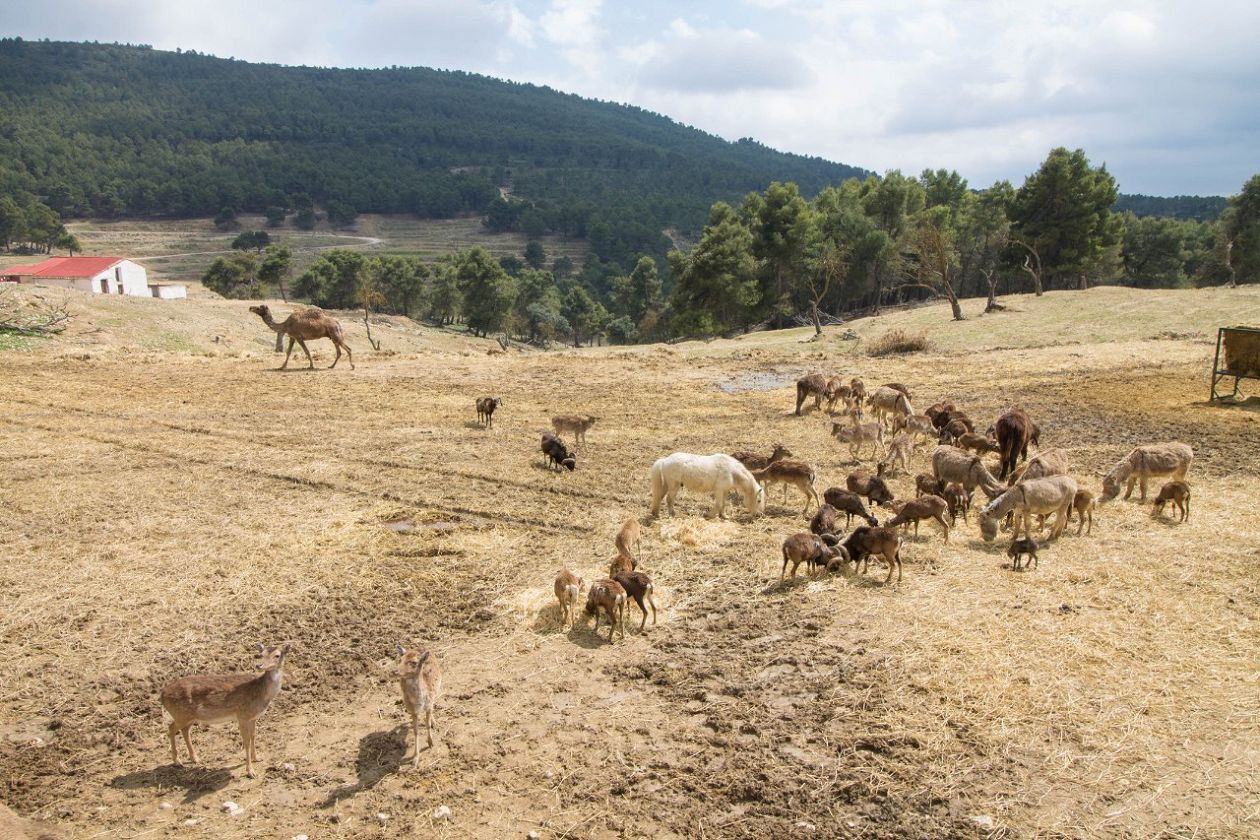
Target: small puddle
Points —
{"points": [[407, 525], [754, 381]]}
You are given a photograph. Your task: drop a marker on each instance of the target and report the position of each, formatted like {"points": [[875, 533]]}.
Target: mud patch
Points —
{"points": [[755, 381]]}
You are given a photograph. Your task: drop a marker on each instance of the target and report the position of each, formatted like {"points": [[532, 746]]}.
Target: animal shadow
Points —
{"points": [[196, 782], [476, 424], [290, 370], [380, 755]]}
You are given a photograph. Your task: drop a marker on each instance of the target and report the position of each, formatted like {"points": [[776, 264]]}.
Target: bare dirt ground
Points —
{"points": [[163, 511]]}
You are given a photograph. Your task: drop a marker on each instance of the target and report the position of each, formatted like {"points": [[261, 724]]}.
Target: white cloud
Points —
{"points": [[714, 61]]}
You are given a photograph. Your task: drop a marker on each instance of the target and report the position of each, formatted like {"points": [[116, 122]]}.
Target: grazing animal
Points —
{"points": [[951, 464], [1025, 547], [485, 410], [859, 434], [1053, 494], [567, 587], [790, 473], [620, 565], [639, 587], [888, 403], [839, 393], [857, 391], [850, 504], [757, 461], [204, 698], [609, 596], [915, 424], [1177, 492], [954, 431], [924, 507], [1084, 504], [938, 408], [717, 474], [1014, 430], [577, 424], [420, 678], [979, 444], [874, 488], [824, 521], [926, 484], [1043, 464], [897, 386], [557, 453], [898, 456], [1145, 462], [303, 325], [959, 500], [628, 538], [814, 385], [882, 542], [811, 550]]}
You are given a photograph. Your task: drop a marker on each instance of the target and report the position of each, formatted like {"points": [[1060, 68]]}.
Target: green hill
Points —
{"points": [[109, 130]]}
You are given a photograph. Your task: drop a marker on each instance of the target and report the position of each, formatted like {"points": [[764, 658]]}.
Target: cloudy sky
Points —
{"points": [[1165, 92]]}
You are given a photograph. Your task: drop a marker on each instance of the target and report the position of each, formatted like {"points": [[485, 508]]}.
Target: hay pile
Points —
{"points": [[1242, 351]]}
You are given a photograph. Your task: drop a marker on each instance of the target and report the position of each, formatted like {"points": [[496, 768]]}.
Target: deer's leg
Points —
{"points": [[192, 754], [428, 722], [170, 732], [247, 737]]}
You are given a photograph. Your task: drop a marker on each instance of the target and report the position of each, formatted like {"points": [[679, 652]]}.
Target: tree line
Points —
{"points": [[778, 259]]}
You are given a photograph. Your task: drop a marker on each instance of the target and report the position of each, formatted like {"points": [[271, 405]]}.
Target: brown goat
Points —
{"points": [[1177, 492], [936, 409], [926, 484], [924, 507], [810, 549], [979, 444], [485, 410], [638, 586], [872, 487], [824, 521], [850, 504], [610, 597], [884, 542]]}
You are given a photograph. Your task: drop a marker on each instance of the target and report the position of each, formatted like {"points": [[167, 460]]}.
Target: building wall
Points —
{"points": [[168, 292]]}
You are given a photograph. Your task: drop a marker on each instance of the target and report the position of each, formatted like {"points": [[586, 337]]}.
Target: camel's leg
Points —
{"points": [[336, 358], [310, 361], [287, 355]]}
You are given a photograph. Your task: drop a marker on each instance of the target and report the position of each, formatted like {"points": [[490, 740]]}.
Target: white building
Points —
{"points": [[99, 275]]}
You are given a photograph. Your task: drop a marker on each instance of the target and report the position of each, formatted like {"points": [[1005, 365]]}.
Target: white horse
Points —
{"points": [[717, 474]]}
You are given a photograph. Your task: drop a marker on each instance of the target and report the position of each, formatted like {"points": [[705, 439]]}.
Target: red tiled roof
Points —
{"points": [[65, 267]]}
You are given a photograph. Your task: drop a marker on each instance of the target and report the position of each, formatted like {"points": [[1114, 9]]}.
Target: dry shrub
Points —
{"points": [[897, 342]]}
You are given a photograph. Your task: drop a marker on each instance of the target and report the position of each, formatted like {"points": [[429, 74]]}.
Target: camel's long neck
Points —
{"points": [[270, 322]]}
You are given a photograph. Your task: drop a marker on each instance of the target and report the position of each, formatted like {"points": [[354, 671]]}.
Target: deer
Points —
{"points": [[858, 434], [1177, 492], [797, 474], [567, 587], [205, 698], [420, 678]]}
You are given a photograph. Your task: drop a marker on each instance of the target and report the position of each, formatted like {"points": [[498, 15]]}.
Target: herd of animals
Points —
{"points": [[1040, 487]]}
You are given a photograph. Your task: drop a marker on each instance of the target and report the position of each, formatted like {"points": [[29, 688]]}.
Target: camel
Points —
{"points": [[310, 323]]}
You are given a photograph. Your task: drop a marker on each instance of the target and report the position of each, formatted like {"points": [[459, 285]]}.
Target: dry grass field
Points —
{"points": [[168, 499], [181, 250]]}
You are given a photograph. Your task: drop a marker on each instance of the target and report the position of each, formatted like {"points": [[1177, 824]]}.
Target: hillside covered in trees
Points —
{"points": [[110, 130]]}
